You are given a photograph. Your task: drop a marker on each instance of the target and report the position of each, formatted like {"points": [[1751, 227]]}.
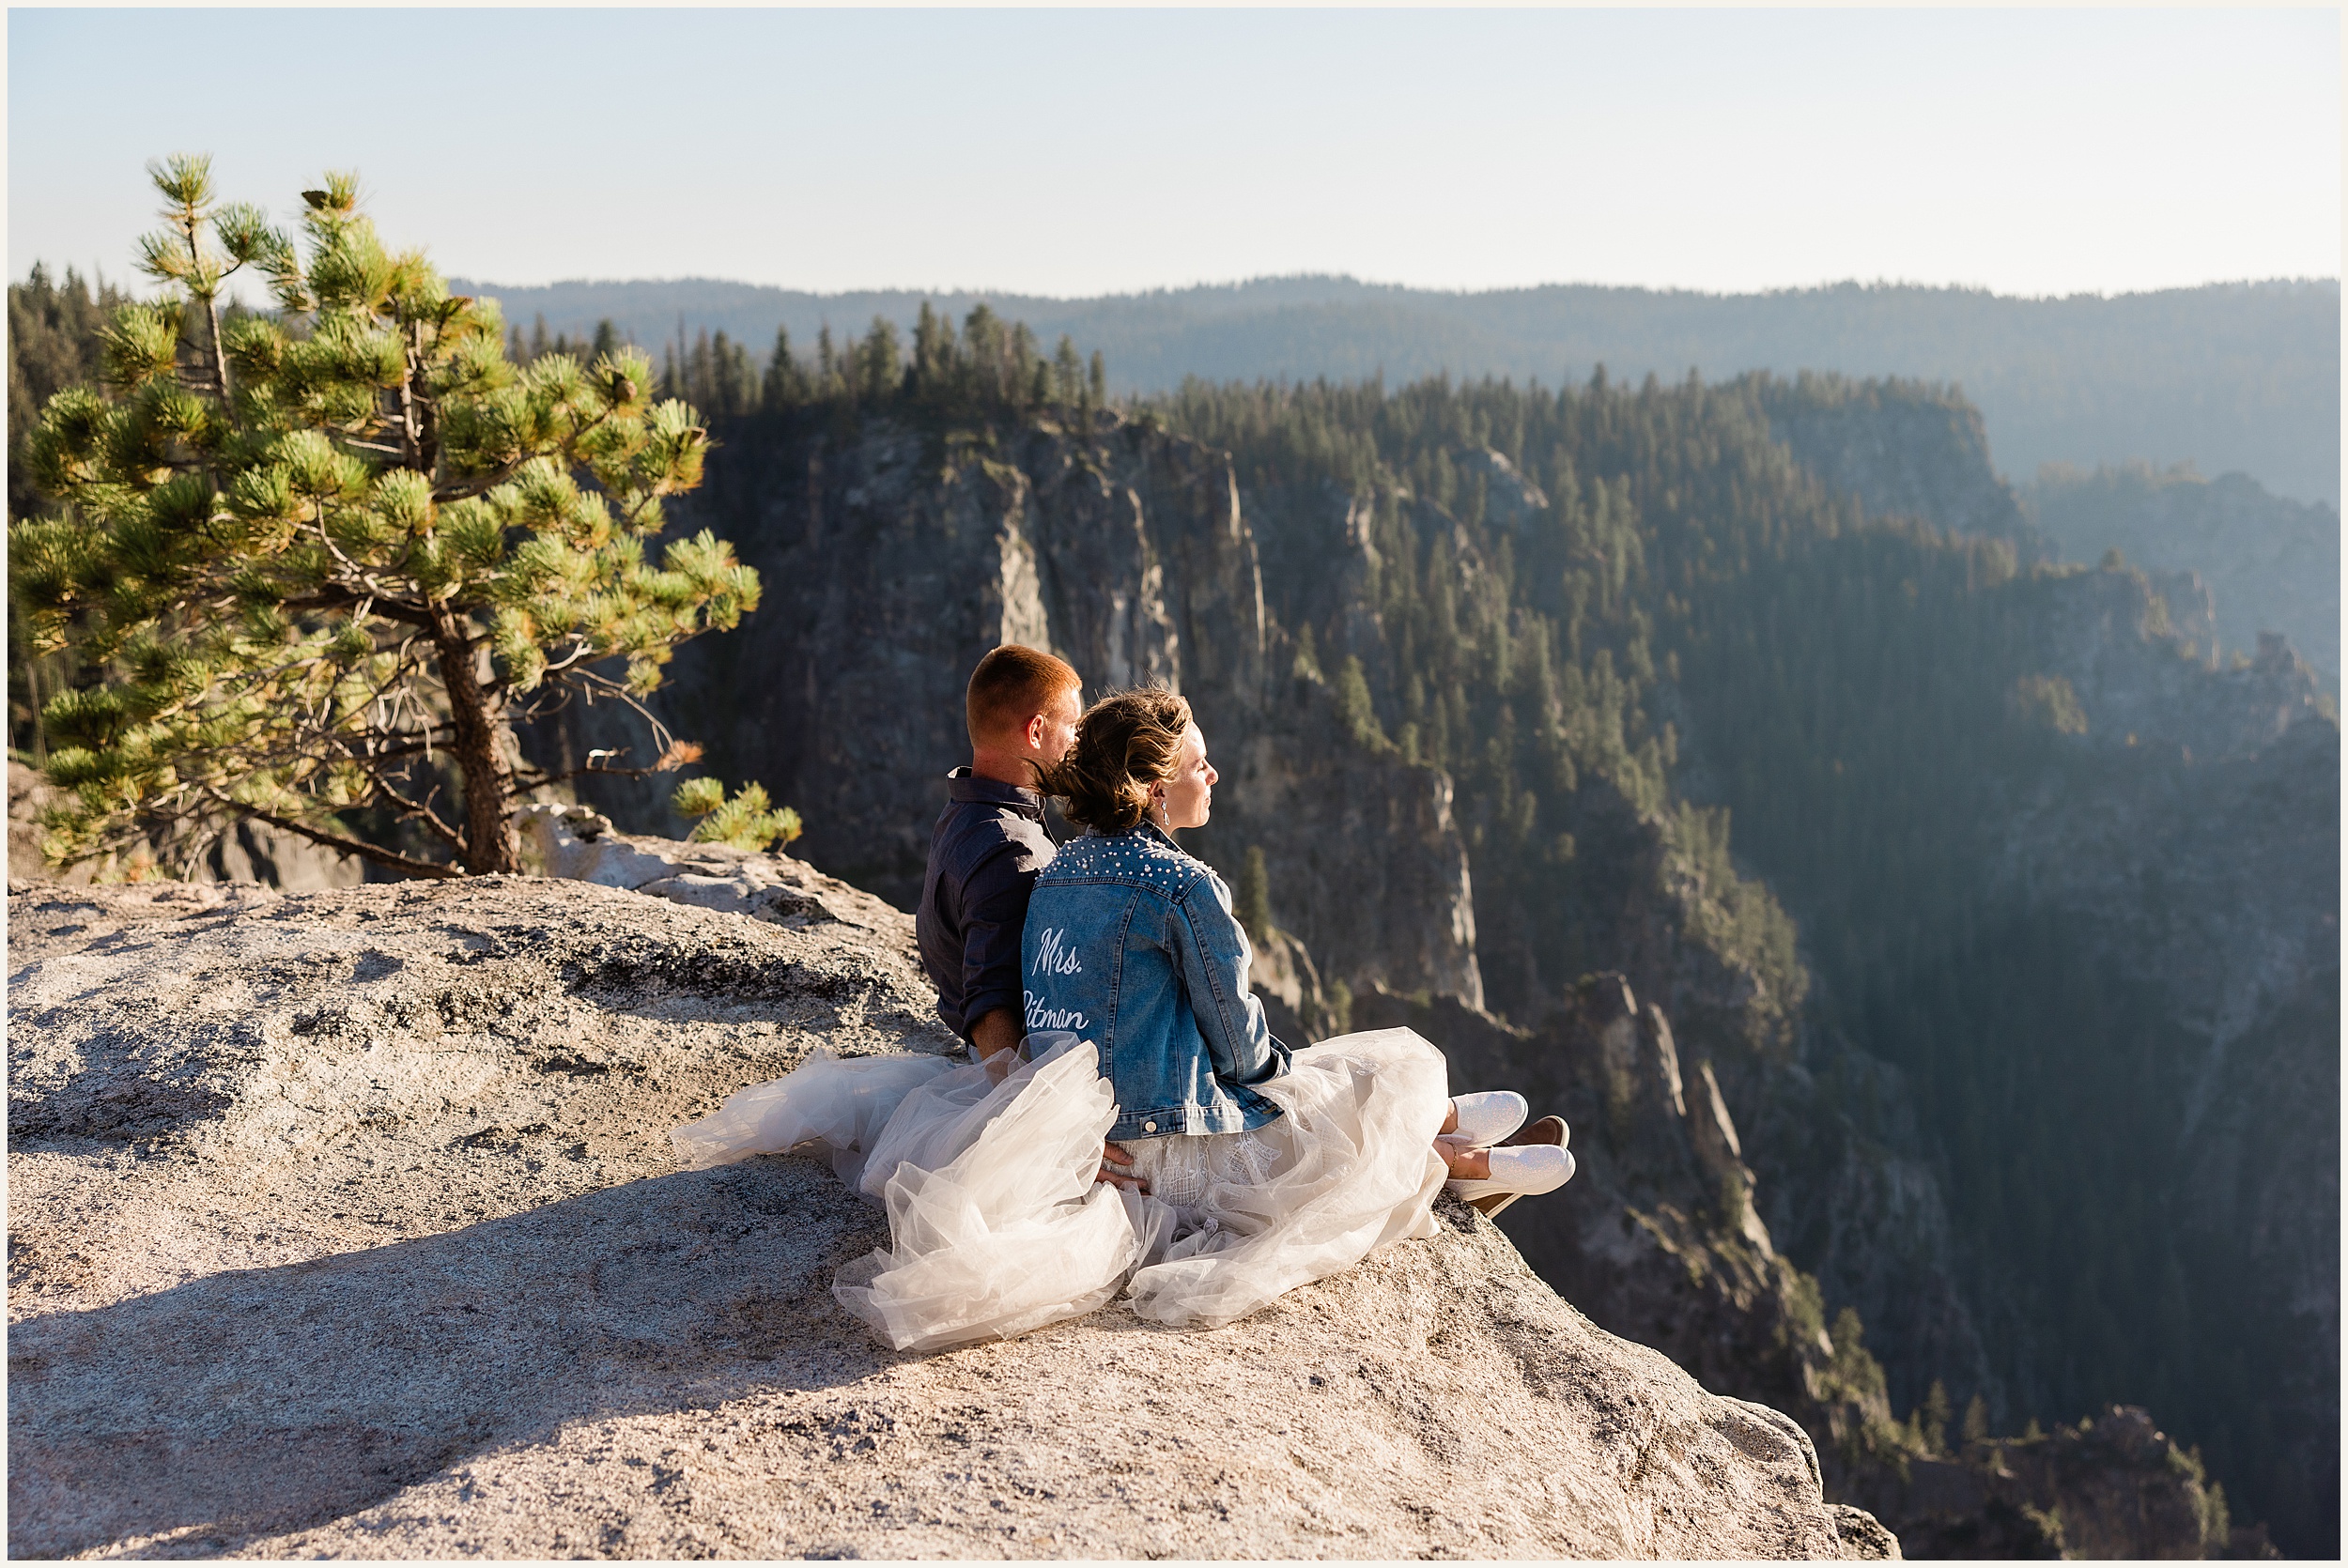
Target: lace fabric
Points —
{"points": [[998, 1225], [1182, 1171]]}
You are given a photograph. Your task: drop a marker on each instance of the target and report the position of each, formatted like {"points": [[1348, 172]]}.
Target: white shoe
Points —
{"points": [[1488, 1118], [1516, 1172]]}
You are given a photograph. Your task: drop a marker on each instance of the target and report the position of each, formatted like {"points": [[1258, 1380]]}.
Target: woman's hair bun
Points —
{"points": [[1126, 744]]}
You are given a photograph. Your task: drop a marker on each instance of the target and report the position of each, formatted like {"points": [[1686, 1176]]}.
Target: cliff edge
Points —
{"points": [[345, 1223]]}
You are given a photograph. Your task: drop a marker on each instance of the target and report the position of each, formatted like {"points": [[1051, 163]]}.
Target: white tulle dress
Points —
{"points": [[996, 1222]]}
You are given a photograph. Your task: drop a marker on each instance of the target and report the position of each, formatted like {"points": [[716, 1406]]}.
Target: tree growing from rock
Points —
{"points": [[329, 557]]}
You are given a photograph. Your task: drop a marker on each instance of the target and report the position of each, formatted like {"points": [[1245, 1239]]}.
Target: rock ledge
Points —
{"points": [[344, 1224]]}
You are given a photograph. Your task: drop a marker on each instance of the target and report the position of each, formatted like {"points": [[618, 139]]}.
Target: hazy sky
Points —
{"points": [[1085, 151]]}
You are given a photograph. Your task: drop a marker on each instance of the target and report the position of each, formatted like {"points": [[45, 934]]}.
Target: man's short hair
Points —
{"points": [[1010, 686]]}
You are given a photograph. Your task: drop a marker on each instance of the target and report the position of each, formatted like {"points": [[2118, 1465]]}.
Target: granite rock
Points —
{"points": [[344, 1223]]}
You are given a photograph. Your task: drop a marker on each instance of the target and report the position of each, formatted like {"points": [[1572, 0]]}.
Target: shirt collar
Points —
{"points": [[963, 785]]}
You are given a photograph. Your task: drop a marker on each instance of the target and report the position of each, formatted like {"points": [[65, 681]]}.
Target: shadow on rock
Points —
{"points": [[267, 1399]]}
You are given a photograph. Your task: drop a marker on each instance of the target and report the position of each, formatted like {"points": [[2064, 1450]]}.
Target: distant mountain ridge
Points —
{"points": [[2229, 377]]}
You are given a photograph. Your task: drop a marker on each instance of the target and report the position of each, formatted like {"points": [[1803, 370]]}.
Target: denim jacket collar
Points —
{"points": [[1148, 829], [963, 785]]}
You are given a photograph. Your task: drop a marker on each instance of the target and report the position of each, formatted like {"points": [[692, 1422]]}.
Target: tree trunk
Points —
{"points": [[220, 351], [490, 844]]}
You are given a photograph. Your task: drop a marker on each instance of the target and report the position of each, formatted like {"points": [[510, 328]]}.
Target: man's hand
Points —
{"points": [[998, 1031], [1111, 1158]]}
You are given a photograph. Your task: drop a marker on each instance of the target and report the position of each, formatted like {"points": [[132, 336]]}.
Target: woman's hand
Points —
{"points": [[1111, 1158]]}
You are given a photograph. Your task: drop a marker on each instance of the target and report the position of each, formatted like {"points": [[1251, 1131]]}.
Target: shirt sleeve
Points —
{"points": [[1214, 957], [993, 919]]}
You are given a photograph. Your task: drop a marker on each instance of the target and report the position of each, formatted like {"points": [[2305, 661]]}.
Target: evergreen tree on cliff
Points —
{"points": [[320, 555]]}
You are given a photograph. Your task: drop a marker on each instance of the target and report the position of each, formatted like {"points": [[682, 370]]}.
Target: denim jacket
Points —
{"points": [[1132, 945]]}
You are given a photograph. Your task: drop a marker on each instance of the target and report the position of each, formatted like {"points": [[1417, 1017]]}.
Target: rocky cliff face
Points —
{"points": [[1650, 904], [2202, 863], [2112, 1486], [2161, 884], [1902, 448], [895, 560], [345, 1222], [2272, 564]]}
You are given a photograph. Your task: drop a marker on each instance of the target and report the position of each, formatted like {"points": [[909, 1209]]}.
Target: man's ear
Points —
{"points": [[1034, 733]]}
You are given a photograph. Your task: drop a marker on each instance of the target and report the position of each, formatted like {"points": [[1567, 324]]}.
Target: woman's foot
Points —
{"points": [[1492, 1179], [1481, 1120]]}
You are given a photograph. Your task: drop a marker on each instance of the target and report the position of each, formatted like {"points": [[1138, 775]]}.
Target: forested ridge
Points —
{"points": [[1617, 613], [2234, 376]]}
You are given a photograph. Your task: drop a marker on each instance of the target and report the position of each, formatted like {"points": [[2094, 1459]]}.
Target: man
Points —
{"points": [[1022, 708]]}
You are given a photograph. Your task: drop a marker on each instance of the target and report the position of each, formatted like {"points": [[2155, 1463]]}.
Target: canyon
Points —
{"points": [[2158, 807]]}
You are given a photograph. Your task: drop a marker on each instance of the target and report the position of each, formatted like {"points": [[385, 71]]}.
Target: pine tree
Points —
{"points": [[1252, 897], [1932, 1420], [54, 338], [786, 385], [880, 361], [327, 552]]}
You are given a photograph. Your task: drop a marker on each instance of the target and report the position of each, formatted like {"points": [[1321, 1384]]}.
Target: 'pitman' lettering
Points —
{"points": [[1043, 1017]]}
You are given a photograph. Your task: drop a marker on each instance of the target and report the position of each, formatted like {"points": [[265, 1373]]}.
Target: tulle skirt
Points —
{"points": [[998, 1225]]}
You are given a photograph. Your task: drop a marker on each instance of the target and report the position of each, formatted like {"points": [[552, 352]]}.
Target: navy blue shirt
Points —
{"points": [[984, 853]]}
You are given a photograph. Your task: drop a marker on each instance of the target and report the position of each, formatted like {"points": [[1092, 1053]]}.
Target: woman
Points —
{"points": [[1237, 1169], [1279, 1166]]}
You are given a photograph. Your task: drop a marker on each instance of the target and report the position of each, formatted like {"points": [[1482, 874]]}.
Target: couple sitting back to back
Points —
{"points": [[1120, 936], [1129, 1123]]}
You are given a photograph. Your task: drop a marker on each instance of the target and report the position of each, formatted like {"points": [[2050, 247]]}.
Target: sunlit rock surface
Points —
{"points": [[345, 1223]]}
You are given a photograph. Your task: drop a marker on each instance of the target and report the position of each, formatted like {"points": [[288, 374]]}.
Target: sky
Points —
{"points": [[1078, 152]]}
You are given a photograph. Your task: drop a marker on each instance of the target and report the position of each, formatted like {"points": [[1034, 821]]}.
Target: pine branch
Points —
{"points": [[420, 810], [665, 763], [338, 596], [350, 846]]}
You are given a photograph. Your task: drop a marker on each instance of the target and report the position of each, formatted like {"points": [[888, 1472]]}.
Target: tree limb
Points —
{"points": [[354, 845], [336, 596], [421, 811], [591, 770]]}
